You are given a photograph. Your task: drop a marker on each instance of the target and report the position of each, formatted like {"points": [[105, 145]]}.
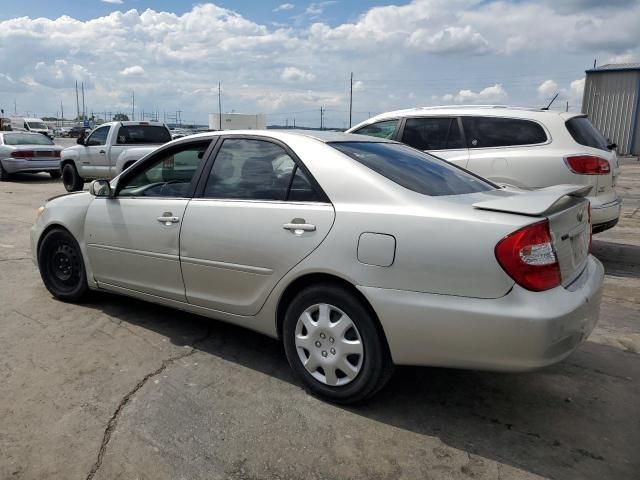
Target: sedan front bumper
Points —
{"points": [[14, 165], [521, 331]]}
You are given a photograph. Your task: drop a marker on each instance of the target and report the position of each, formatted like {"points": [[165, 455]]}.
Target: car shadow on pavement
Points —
{"points": [[619, 259], [574, 420], [34, 178]]}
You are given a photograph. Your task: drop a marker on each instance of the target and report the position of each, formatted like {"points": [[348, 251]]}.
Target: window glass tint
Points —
{"points": [[142, 134], [432, 133], [301, 189], [36, 125], [98, 137], [501, 132], [414, 170], [169, 175], [583, 132], [26, 139], [381, 129], [250, 170]]}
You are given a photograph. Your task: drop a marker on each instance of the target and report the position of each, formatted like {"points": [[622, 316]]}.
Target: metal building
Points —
{"points": [[612, 102]]}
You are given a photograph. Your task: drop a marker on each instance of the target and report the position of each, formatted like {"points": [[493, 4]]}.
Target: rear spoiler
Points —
{"points": [[533, 202]]}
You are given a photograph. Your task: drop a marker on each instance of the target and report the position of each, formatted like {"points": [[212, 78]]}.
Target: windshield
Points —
{"points": [[583, 132], [413, 169], [26, 139], [37, 125]]}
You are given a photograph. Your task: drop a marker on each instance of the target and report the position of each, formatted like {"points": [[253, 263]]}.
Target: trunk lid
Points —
{"points": [[567, 211]]}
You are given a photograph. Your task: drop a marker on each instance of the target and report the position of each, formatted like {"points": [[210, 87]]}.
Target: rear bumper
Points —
{"points": [[605, 215], [13, 165], [521, 331]]}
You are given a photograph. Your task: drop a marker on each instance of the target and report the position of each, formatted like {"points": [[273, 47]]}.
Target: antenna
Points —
{"points": [[552, 100]]}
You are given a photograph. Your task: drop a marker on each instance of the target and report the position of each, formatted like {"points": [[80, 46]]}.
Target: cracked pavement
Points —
{"points": [[119, 388]]}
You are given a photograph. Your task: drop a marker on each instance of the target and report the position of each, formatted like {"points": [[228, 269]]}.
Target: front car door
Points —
{"points": [[256, 215], [133, 237], [441, 136], [93, 157]]}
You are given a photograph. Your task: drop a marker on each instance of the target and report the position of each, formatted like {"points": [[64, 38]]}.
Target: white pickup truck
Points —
{"points": [[108, 150]]}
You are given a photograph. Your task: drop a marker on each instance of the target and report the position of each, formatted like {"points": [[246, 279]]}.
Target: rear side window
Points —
{"points": [[432, 133], [412, 169], [485, 132], [143, 134], [583, 132], [381, 129]]}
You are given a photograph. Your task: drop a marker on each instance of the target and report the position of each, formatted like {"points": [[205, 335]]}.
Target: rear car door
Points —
{"points": [[133, 237], [257, 213], [94, 160], [441, 136]]}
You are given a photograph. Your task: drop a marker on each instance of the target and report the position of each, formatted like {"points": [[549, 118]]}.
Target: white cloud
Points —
{"points": [[493, 94], [133, 71], [547, 89], [117, 2], [449, 40], [283, 7], [293, 74], [318, 8]]}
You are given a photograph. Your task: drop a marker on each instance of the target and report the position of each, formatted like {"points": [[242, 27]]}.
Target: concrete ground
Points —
{"points": [[121, 389]]}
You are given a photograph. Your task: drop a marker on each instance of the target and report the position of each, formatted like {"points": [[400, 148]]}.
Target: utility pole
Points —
{"points": [[567, 105], [77, 102], [61, 112], [294, 122], [321, 118], [219, 106], [351, 100], [84, 111], [133, 105]]}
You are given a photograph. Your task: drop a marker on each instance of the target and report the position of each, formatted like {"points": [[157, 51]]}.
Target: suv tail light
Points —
{"points": [[23, 154], [588, 165], [528, 256]]}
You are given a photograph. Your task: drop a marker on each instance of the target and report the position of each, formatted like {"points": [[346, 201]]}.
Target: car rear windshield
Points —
{"points": [[142, 134], [26, 139], [413, 169], [583, 132]]}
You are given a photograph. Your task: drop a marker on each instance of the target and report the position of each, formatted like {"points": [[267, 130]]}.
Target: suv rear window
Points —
{"points": [[583, 132], [413, 169], [142, 134], [482, 132]]}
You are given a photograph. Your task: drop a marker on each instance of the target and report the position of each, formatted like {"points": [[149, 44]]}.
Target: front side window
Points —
{"points": [[381, 129], [252, 170], [142, 135], [414, 170], [583, 132], [98, 137], [169, 175], [483, 132], [432, 133], [26, 139], [36, 125]]}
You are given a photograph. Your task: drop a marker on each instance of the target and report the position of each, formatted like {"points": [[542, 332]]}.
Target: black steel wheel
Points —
{"points": [[61, 266], [71, 179]]}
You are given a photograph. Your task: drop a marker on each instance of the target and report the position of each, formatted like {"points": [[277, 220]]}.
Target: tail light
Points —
{"points": [[588, 165], [56, 153], [23, 154], [528, 256]]}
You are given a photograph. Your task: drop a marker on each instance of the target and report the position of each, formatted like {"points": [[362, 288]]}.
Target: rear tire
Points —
{"points": [[71, 179], [55, 174], [334, 345], [62, 267]]}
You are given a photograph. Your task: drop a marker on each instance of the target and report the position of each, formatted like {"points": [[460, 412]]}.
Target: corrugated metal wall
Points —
{"points": [[611, 101]]}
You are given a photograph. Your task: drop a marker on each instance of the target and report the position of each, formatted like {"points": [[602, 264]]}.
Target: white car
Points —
{"points": [[521, 147], [357, 252]]}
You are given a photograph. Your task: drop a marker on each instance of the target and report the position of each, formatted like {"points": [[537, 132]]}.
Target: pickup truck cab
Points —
{"points": [[108, 150]]}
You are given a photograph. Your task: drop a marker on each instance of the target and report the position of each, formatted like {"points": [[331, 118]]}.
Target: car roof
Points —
{"points": [[484, 110], [324, 136]]}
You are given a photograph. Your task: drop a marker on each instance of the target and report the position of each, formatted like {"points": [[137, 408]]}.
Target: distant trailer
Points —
{"points": [[237, 121], [612, 102]]}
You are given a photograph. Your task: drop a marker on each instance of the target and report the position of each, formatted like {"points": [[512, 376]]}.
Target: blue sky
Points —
{"points": [[288, 59]]}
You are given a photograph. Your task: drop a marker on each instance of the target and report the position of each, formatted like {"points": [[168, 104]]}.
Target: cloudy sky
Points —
{"points": [[288, 59]]}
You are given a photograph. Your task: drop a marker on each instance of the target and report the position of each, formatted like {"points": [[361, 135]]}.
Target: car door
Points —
{"points": [[256, 216], [93, 156], [133, 237], [441, 136]]}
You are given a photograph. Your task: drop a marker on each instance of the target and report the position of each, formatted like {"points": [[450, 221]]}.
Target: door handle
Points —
{"points": [[298, 228], [168, 219], [103, 151]]}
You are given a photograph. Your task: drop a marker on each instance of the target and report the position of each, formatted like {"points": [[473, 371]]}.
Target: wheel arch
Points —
{"points": [[308, 279]]}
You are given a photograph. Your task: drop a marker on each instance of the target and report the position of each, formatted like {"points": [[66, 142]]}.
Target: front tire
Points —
{"points": [[62, 267], [333, 344], [71, 179]]}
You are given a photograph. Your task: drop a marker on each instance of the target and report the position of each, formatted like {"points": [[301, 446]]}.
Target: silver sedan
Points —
{"points": [[358, 253], [28, 152]]}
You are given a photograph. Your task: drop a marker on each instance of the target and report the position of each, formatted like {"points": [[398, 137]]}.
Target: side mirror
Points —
{"points": [[100, 188], [80, 140]]}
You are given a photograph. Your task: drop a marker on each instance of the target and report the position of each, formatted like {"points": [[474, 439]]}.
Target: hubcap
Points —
{"points": [[329, 345]]}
